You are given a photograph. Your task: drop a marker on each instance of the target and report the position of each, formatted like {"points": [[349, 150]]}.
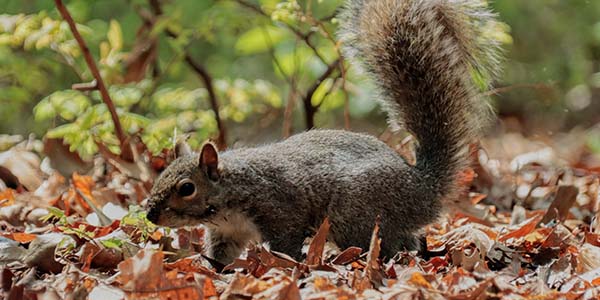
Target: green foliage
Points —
{"points": [[137, 219], [259, 58], [161, 105]]}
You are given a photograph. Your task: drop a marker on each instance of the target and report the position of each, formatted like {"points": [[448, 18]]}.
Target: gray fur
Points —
{"points": [[420, 53]]}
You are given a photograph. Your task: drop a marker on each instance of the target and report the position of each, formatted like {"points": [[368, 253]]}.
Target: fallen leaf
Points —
{"points": [[20, 237], [524, 229], [418, 280], [7, 197], [563, 201], [347, 256], [143, 276], [317, 245]]}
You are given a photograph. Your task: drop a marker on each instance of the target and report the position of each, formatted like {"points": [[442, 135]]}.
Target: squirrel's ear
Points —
{"points": [[209, 161]]}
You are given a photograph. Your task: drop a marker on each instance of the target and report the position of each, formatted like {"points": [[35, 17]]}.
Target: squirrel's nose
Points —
{"points": [[153, 214]]}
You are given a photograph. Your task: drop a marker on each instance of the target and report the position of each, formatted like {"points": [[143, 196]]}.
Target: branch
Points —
{"points": [[85, 86], [289, 108], [303, 36], [310, 109], [535, 86], [200, 71], [212, 96], [95, 72]]}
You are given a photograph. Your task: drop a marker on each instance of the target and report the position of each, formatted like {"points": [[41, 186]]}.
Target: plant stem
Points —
{"points": [[95, 72]]}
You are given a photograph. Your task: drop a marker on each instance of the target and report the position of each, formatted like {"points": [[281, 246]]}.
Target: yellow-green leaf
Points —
{"points": [[115, 36]]}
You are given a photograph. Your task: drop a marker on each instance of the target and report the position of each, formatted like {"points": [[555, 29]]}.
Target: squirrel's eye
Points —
{"points": [[186, 189]]}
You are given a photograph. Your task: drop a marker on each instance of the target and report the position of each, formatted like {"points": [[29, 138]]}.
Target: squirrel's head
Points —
{"points": [[180, 195]]}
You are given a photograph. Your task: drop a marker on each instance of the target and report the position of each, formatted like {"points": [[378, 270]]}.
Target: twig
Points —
{"points": [[301, 35], [330, 37], [289, 108], [201, 71], [104, 220], [309, 108], [346, 96], [535, 86], [85, 86], [95, 72], [212, 96], [291, 80]]}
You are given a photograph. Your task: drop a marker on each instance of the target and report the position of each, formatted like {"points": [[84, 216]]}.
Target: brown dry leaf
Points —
{"points": [[260, 260], [209, 288], [474, 292], [24, 165], [191, 264], [7, 197], [417, 279], [20, 237], [317, 245], [592, 238], [40, 253], [98, 257], [8, 179], [141, 272], [479, 235], [435, 264], [275, 260], [63, 160], [143, 277], [458, 281], [588, 258], [476, 197], [243, 287], [373, 275], [289, 291], [51, 188], [347, 256], [84, 184], [563, 201], [137, 169], [525, 228], [467, 257], [104, 292]]}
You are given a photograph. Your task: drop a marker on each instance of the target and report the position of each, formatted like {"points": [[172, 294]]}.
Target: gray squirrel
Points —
{"points": [[422, 55]]}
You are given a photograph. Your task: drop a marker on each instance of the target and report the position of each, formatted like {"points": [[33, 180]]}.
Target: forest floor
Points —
{"points": [[528, 229]]}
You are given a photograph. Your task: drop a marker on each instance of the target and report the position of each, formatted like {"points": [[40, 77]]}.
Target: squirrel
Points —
{"points": [[422, 55]]}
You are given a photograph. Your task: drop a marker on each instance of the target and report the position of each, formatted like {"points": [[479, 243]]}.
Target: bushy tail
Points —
{"points": [[424, 56]]}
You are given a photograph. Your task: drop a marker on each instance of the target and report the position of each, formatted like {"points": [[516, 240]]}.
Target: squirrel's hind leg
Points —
{"points": [[290, 243], [392, 244]]}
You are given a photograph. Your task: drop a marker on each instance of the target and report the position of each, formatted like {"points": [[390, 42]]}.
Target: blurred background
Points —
{"points": [[269, 68]]}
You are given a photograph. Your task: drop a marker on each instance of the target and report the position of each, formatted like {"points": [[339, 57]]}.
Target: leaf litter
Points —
{"points": [[528, 228]]}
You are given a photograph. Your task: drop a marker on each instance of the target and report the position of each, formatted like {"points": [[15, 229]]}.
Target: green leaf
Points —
{"points": [[259, 39], [67, 104], [334, 100], [63, 130], [113, 243], [115, 36], [54, 213], [321, 91], [125, 96]]}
